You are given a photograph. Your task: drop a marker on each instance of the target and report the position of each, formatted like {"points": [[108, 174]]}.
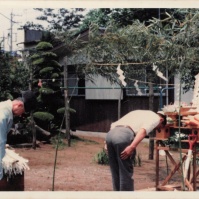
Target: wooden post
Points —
{"points": [[151, 141], [194, 168], [119, 104], [33, 129], [157, 165]]}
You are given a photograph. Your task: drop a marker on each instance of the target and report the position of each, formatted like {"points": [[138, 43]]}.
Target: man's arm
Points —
{"points": [[129, 149], [3, 139]]}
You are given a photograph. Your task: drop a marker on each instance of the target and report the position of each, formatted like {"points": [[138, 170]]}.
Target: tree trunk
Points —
{"points": [[33, 129], [151, 141], [67, 115]]}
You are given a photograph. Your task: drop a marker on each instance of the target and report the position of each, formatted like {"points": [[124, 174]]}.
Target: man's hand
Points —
{"points": [[128, 151]]}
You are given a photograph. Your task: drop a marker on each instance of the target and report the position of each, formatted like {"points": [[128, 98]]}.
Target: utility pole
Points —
{"points": [[11, 28], [2, 41]]}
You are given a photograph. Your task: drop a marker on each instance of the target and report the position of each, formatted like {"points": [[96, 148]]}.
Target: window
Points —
{"points": [[76, 85]]}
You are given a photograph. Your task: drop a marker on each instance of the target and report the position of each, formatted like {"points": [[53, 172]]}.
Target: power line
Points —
{"points": [[8, 18], [11, 27]]}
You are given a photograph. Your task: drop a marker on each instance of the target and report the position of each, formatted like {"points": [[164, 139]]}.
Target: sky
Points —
{"points": [[23, 11], [20, 16]]}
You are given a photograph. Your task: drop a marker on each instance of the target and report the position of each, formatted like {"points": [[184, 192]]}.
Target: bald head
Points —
{"points": [[18, 107]]}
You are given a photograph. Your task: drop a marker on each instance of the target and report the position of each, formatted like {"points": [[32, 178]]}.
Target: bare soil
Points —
{"points": [[76, 169]]}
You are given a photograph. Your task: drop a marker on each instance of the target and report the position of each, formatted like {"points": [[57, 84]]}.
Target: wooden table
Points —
{"points": [[190, 182]]}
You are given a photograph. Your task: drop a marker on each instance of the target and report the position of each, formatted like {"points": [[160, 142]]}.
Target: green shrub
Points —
{"points": [[43, 116], [35, 56], [38, 61], [102, 157], [46, 70], [62, 110], [49, 54], [44, 46], [46, 91]]}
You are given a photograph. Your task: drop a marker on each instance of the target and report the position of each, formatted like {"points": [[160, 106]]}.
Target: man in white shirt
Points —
{"points": [[8, 109], [122, 140]]}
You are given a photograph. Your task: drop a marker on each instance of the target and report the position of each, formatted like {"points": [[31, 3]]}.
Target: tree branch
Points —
{"points": [[47, 133]]}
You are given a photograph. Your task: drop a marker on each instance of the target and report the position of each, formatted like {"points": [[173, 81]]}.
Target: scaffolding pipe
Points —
{"points": [[73, 87]]}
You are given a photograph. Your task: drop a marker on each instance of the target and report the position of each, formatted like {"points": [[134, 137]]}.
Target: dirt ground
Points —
{"points": [[76, 169]]}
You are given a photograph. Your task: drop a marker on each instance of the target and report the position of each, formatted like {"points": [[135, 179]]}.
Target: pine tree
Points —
{"points": [[46, 74]]}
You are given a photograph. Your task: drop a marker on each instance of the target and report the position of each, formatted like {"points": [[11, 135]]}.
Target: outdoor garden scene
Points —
{"points": [[87, 69]]}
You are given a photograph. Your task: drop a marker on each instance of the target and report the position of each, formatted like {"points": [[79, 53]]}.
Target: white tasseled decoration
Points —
{"points": [[13, 163]]}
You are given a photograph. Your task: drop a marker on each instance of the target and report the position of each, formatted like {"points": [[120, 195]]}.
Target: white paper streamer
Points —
{"points": [[121, 76], [137, 88], [159, 74]]}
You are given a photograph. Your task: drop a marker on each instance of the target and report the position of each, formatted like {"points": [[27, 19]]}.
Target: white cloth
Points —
{"points": [[139, 119]]}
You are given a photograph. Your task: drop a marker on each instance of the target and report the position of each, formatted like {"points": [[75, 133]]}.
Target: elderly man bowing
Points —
{"points": [[8, 109]]}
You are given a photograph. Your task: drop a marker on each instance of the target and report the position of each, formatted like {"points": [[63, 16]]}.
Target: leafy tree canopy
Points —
{"points": [[57, 19], [170, 43]]}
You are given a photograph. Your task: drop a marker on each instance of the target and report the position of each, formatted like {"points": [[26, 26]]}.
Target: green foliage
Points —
{"points": [[61, 19], [35, 56], [43, 116], [122, 16], [49, 54], [54, 75], [62, 110], [59, 141], [55, 64], [58, 19], [169, 42], [42, 46], [46, 91], [46, 70], [102, 157], [13, 77], [175, 139], [38, 61]]}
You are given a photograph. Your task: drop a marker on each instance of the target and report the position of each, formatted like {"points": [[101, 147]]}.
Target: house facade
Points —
{"points": [[99, 103]]}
